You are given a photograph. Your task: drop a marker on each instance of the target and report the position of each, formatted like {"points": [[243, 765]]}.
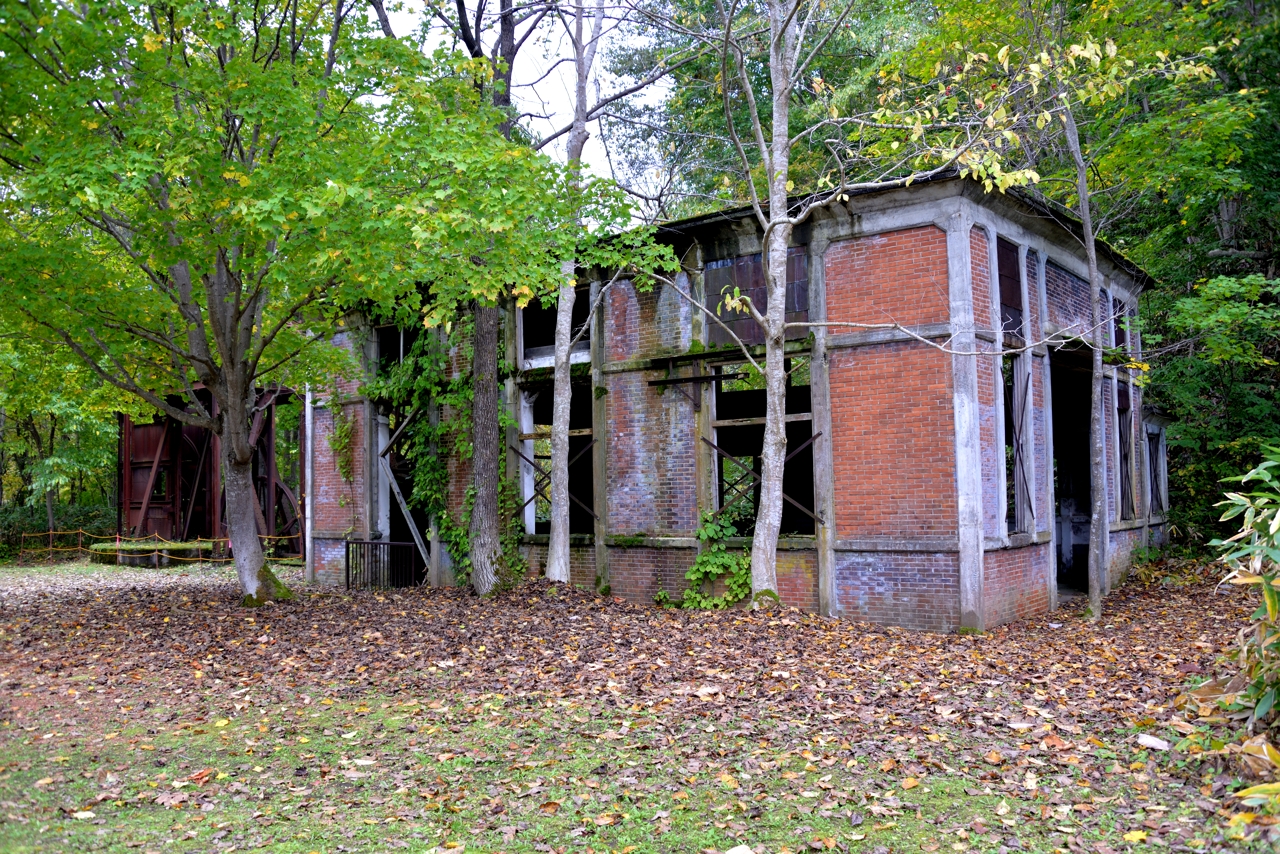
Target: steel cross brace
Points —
{"points": [[750, 473], [542, 480]]}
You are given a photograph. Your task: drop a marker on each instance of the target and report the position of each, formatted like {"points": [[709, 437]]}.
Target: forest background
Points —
{"points": [[1184, 175]]}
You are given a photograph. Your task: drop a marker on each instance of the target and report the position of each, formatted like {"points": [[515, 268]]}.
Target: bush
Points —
{"points": [[1253, 555], [19, 519]]}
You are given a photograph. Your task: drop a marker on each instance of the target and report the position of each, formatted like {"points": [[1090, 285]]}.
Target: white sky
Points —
{"points": [[551, 97]]}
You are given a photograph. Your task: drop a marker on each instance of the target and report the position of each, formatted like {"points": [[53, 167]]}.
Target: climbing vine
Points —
{"points": [[432, 375], [341, 439], [716, 561]]}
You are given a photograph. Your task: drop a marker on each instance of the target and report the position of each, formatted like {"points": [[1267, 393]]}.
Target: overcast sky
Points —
{"points": [[552, 96]]}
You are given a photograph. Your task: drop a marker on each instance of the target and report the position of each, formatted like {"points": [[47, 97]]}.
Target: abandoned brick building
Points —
{"points": [[927, 487]]}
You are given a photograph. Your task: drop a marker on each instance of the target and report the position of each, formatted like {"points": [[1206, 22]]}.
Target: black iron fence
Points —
{"points": [[373, 563]]}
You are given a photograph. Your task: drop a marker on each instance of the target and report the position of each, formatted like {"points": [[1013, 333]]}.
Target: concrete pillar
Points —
{"points": [[823, 459], [965, 402]]}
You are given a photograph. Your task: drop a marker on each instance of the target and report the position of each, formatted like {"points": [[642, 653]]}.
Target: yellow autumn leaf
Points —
{"points": [[1135, 836], [221, 722]]}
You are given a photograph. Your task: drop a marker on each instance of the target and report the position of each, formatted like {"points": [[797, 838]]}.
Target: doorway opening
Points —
{"points": [[1070, 374]]}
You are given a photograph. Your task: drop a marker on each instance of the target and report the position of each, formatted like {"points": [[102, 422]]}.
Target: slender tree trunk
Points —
{"points": [[584, 49], [558, 546], [764, 545], [1098, 525], [48, 507], [486, 451]]}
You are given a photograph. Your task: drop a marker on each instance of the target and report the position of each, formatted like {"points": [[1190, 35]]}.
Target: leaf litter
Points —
{"points": [[1064, 729]]}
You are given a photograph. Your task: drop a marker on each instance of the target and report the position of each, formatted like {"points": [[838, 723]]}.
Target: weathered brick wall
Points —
{"points": [[899, 276], [582, 563], [1067, 296], [894, 442], [646, 323], [652, 453], [637, 574], [338, 505], [1121, 545], [990, 426], [798, 579], [1015, 582], [917, 590]]}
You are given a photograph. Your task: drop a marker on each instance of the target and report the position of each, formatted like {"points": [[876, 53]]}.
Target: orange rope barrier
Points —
{"points": [[161, 545]]}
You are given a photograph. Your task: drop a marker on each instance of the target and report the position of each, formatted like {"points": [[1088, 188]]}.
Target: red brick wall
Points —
{"points": [[1015, 583], [917, 590], [646, 323], [898, 277], [637, 574], [582, 563], [894, 442], [798, 579]]}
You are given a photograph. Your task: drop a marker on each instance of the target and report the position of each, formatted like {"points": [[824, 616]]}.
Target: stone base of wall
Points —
{"points": [[915, 590], [1016, 583]]}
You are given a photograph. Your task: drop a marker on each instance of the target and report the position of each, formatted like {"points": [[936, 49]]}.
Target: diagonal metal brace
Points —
{"points": [[751, 472]]}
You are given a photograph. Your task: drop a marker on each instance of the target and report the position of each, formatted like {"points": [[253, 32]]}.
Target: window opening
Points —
{"points": [[1070, 382], [1019, 514], [394, 344], [738, 422], [746, 272], [1155, 469], [538, 330], [1124, 418], [1011, 307], [534, 451]]}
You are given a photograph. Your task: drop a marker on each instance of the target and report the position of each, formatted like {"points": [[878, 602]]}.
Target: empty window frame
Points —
{"points": [[394, 344], [534, 451], [537, 331], [1011, 302], [1019, 515], [1155, 470], [738, 428], [746, 273], [1124, 434]]}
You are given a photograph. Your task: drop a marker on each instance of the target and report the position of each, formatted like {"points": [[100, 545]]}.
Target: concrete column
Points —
{"points": [[965, 402], [823, 457], [308, 492]]}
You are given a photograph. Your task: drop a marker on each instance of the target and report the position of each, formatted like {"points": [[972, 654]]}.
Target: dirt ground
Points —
{"points": [[1023, 738]]}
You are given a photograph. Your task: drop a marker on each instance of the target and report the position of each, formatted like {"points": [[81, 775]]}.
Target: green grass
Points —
{"points": [[501, 776]]}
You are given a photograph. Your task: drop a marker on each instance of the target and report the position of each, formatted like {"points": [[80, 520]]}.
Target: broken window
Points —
{"points": [[746, 273], [537, 330], [1018, 512], [1119, 325], [1155, 471], [1124, 418], [738, 425], [534, 451]]}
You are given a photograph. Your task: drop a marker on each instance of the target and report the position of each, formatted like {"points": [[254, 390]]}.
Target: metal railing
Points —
{"points": [[374, 563]]}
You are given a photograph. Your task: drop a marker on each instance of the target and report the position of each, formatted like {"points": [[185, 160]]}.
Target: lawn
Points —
{"points": [[145, 711]]}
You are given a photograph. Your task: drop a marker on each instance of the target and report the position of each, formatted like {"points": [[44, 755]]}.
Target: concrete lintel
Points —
{"points": [[868, 337], [889, 544]]}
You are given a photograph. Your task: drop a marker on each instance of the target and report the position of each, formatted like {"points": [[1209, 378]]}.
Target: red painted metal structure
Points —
{"points": [[170, 484]]}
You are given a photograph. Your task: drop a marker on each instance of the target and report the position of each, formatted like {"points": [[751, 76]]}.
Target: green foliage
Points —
{"points": [[17, 519], [1253, 555], [716, 561], [342, 438]]}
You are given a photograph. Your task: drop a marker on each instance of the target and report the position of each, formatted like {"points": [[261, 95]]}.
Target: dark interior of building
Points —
{"points": [[1070, 377]]}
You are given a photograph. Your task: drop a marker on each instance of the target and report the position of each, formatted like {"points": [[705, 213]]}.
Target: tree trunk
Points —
{"points": [[258, 583], [1098, 524], [558, 546], [48, 507], [486, 451], [584, 49], [764, 544]]}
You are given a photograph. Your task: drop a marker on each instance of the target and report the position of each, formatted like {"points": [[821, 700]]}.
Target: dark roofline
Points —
{"points": [[1062, 218]]}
